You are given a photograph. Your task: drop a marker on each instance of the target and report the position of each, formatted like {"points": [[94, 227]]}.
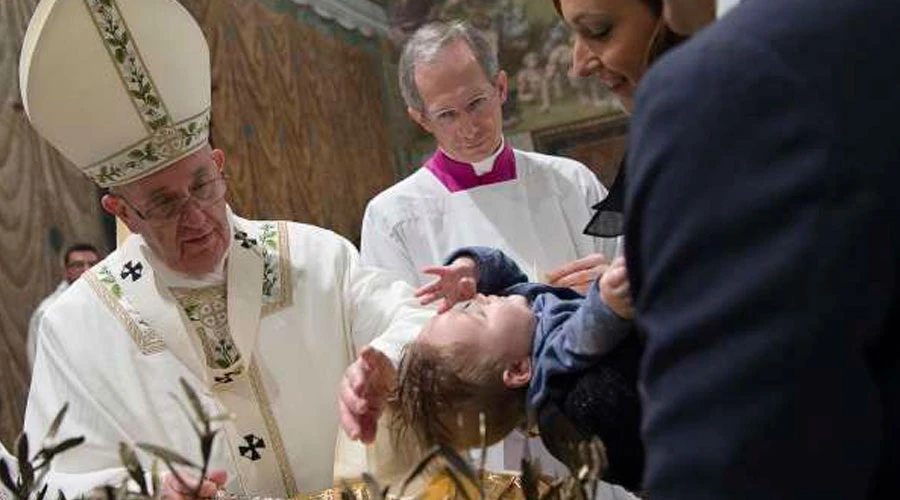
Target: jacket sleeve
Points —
{"points": [[572, 336], [748, 245], [496, 271]]}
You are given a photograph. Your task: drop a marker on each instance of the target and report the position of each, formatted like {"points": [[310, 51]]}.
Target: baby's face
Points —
{"points": [[499, 328]]}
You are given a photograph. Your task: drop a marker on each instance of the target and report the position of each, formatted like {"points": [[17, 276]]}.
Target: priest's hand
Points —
{"points": [[364, 391], [456, 283], [615, 289], [579, 274], [173, 489]]}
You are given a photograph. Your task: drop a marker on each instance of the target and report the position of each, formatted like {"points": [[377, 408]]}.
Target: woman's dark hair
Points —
{"points": [[663, 39], [656, 6]]}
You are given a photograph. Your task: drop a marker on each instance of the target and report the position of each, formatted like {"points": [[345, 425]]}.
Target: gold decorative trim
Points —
{"points": [[125, 56], [265, 407], [147, 342], [162, 147], [285, 286]]}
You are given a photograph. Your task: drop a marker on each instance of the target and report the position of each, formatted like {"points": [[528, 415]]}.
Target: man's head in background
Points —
{"points": [[79, 258]]}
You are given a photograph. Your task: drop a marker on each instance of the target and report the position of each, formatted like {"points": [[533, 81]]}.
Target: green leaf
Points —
{"points": [[155, 479], [194, 400], [529, 480], [26, 470], [135, 470], [22, 448], [120, 55], [41, 494], [6, 477], [62, 447], [206, 444], [165, 455], [57, 421]]}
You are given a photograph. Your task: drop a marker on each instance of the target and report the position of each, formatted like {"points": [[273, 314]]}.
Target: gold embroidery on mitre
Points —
{"points": [[166, 141]]}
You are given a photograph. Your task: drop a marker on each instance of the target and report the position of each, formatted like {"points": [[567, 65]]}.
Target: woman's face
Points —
{"points": [[612, 39]]}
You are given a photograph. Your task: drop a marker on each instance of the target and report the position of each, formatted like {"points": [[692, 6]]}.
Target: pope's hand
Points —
{"points": [[364, 391], [173, 489], [456, 282], [579, 274]]}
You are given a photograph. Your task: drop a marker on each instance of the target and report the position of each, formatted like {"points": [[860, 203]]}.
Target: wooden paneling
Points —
{"points": [[298, 112], [45, 205]]}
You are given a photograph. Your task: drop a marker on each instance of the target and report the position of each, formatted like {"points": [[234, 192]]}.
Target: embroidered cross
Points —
{"points": [[132, 270], [246, 241], [228, 377], [249, 451]]}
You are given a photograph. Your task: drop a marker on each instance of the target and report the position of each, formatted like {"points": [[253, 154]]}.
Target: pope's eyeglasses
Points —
{"points": [[203, 194]]}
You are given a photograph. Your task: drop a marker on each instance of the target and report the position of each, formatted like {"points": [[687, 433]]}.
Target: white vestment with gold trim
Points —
{"points": [[298, 303]]}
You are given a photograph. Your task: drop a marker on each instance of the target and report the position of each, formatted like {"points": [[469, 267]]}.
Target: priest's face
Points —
{"points": [[462, 106], [180, 211]]}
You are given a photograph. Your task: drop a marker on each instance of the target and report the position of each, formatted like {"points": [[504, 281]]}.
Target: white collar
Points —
{"points": [[486, 165]]}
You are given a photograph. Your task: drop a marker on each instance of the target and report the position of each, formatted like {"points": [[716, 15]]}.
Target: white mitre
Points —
{"points": [[120, 87]]}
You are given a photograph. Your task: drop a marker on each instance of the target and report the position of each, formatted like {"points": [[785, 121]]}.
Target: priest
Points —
{"points": [[476, 190], [262, 318]]}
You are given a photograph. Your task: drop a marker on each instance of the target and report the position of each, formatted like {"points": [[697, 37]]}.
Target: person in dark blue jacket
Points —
{"points": [[763, 248], [508, 353]]}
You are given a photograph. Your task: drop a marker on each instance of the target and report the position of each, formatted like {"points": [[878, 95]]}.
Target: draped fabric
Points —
{"points": [[297, 108], [45, 205]]}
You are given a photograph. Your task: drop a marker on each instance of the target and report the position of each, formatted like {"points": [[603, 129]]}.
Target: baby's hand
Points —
{"points": [[456, 282], [615, 289]]}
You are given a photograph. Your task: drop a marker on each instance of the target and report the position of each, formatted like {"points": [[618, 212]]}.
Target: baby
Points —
{"points": [[500, 356]]}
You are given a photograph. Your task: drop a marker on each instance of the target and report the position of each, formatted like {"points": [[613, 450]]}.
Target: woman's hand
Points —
{"points": [[615, 289], [456, 283], [579, 274]]}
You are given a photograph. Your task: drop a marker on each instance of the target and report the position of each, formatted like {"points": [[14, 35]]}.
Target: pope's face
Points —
{"points": [[180, 211], [462, 107]]}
